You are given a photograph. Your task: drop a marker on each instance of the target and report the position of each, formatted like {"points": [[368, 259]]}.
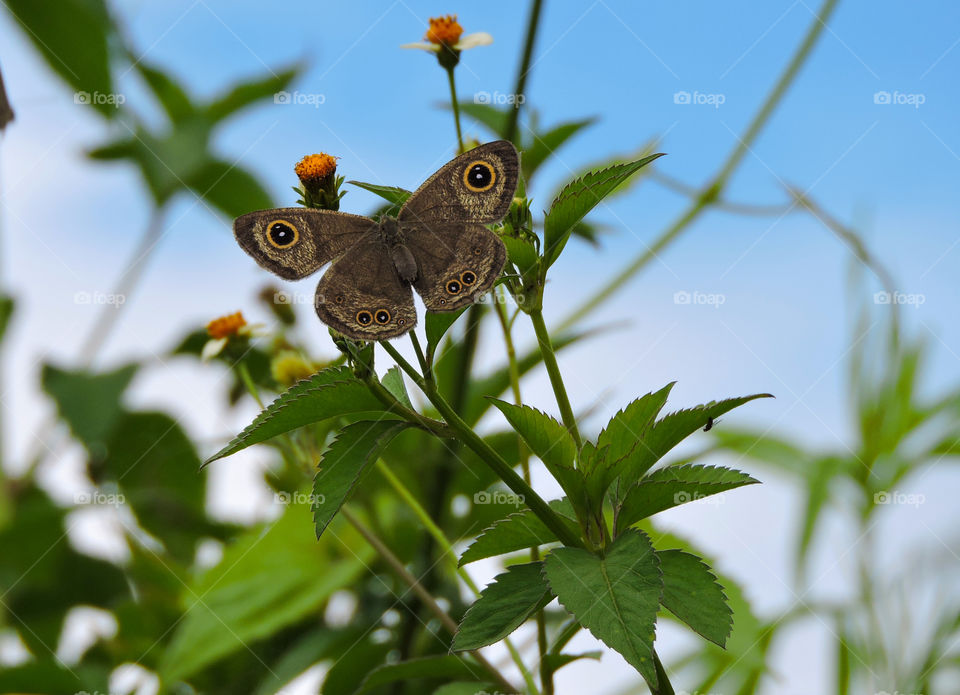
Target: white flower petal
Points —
{"points": [[480, 38], [213, 348], [432, 47]]}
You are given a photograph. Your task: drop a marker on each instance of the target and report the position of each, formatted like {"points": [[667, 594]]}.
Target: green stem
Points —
{"points": [[456, 109], [533, 23], [712, 191], [566, 634], [393, 405], [487, 453], [397, 566], [448, 552], [556, 380], [247, 380]]}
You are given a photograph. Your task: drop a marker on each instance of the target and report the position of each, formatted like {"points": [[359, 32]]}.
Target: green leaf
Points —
{"points": [[50, 676], [503, 606], [248, 93], [493, 118], [669, 431], [230, 189], [548, 439], [555, 662], [6, 111], [578, 198], [547, 143], [6, 313], [616, 597], [395, 196], [691, 592], [84, 65], [627, 428], [174, 100], [675, 485], [88, 402], [518, 532], [465, 689], [521, 252], [326, 394], [437, 325], [447, 666], [345, 462], [124, 148], [393, 382], [272, 577]]}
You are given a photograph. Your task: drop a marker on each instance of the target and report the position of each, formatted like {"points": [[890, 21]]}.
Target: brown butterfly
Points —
{"points": [[437, 244]]}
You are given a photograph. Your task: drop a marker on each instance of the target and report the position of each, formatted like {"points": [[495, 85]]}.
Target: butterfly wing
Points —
{"points": [[295, 242], [456, 263], [362, 296], [476, 187]]}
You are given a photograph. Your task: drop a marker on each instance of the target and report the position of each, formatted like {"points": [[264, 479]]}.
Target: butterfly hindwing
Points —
{"points": [[456, 263], [295, 242], [362, 296], [476, 187]]}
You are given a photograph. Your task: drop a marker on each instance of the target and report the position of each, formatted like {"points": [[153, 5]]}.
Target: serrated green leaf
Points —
{"points": [[616, 597], [447, 666], [522, 253], [247, 93], [578, 198], [503, 606], [393, 382], [627, 428], [518, 532], [675, 485], [437, 325], [344, 463], [691, 592], [548, 439], [395, 196], [670, 430], [328, 393], [545, 144]]}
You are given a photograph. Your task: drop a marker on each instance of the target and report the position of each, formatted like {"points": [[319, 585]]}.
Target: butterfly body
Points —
{"points": [[437, 245]]}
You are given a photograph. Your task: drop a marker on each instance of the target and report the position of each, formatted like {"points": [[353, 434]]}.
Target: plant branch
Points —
{"points": [[556, 379], [456, 109], [533, 24]]}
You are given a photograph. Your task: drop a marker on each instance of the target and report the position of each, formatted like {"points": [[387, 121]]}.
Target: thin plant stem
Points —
{"points": [[448, 551], [712, 191], [556, 379], [397, 566], [247, 380], [486, 453], [456, 109], [533, 24]]}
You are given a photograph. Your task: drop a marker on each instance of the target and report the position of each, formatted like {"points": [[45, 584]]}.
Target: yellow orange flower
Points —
{"points": [[444, 31], [315, 167], [226, 326]]}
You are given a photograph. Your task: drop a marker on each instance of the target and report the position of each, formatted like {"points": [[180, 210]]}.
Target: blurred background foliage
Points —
{"points": [[201, 605]]}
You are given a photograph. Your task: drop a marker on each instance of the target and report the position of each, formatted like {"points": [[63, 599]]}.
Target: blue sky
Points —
{"points": [[891, 170]]}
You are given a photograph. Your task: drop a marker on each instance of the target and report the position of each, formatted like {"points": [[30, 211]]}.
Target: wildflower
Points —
{"points": [[320, 185], [289, 366], [445, 38], [221, 330]]}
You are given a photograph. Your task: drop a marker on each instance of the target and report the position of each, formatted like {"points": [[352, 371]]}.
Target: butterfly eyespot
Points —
{"points": [[339, 299], [364, 318], [281, 234], [382, 317], [443, 301], [454, 287], [477, 250], [468, 277], [479, 176], [401, 322]]}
